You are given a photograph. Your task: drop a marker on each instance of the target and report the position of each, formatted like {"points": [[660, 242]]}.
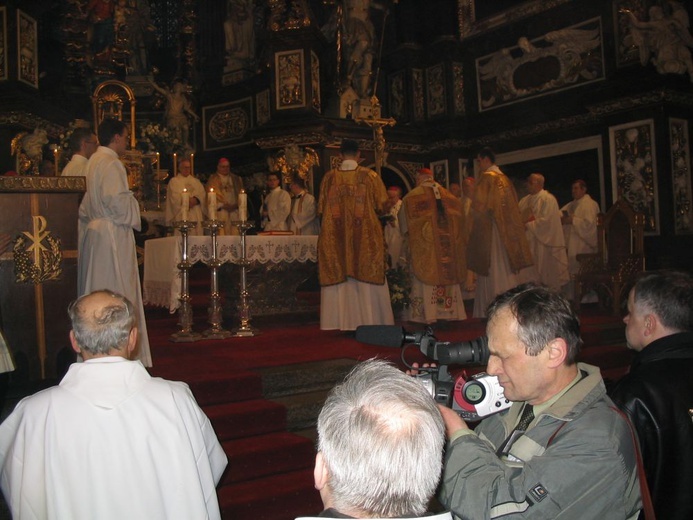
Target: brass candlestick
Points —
{"points": [[244, 330], [185, 321], [216, 331]]}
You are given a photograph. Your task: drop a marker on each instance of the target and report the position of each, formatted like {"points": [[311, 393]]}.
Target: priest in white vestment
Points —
{"points": [[184, 186], [83, 143], [304, 212], [580, 224], [539, 210], [110, 442], [277, 205], [108, 214]]}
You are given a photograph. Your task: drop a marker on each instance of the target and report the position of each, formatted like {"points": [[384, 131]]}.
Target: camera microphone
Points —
{"points": [[385, 335]]}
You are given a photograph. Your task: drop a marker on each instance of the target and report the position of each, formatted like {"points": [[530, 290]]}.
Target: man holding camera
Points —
{"points": [[562, 450]]}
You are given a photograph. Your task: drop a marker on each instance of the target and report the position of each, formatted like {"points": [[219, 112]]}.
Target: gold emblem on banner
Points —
{"points": [[37, 255]]}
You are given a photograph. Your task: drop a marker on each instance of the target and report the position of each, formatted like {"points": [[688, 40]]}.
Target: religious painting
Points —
{"points": [[289, 85], [227, 124], [27, 49], [681, 176], [463, 169], [397, 103], [315, 80], [435, 90], [559, 60], [262, 106], [418, 92], [634, 170], [440, 173], [3, 42], [626, 48]]}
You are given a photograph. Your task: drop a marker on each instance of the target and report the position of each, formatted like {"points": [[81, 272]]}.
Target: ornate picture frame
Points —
{"points": [[463, 169], [27, 49], [681, 176], [227, 124], [441, 172], [289, 85], [436, 95], [634, 169]]}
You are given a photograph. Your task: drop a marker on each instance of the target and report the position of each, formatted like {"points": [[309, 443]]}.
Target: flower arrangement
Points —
{"points": [[399, 282], [156, 138]]}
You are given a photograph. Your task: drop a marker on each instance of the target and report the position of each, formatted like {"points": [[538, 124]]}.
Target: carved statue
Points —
{"points": [[239, 31], [665, 38], [358, 44], [178, 109], [28, 148]]}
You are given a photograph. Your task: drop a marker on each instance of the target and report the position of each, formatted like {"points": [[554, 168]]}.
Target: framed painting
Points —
{"points": [[440, 173], [27, 49], [634, 169], [227, 124], [289, 86]]}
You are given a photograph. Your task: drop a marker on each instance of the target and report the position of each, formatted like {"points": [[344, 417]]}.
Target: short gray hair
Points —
{"points": [[105, 329], [669, 295], [381, 436]]}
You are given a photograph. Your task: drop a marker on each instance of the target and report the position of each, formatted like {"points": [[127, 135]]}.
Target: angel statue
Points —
{"points": [[666, 38], [28, 148]]}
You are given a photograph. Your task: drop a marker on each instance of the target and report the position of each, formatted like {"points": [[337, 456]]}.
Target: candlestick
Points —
{"points": [[186, 203], [192, 164], [212, 204], [242, 206], [175, 164]]}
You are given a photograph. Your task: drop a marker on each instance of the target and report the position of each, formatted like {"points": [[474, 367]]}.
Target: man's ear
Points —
{"points": [[320, 473], [132, 342], [558, 351], [73, 342]]}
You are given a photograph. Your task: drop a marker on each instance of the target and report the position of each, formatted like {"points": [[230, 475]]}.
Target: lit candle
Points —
{"points": [[175, 164], [56, 156], [243, 206], [212, 204], [185, 203], [192, 164], [158, 167]]}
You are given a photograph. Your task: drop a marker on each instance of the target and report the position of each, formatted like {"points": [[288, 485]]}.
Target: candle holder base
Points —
{"points": [[245, 332], [185, 337], [216, 334]]}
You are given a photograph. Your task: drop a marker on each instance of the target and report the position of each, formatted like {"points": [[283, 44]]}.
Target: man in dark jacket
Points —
{"points": [[657, 394]]}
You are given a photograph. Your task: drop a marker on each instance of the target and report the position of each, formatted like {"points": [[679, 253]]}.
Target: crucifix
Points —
{"points": [[370, 115]]}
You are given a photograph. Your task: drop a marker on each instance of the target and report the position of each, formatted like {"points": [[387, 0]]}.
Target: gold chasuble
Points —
{"points": [[351, 242], [437, 241], [495, 200]]}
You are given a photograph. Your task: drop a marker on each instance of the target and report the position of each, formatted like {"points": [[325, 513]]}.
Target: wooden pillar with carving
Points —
{"points": [[38, 272]]}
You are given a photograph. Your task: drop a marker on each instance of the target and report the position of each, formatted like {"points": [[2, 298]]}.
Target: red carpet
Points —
{"points": [[269, 475]]}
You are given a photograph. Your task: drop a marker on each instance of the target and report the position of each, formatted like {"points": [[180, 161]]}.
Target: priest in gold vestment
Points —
{"points": [[498, 250], [432, 220], [351, 247]]}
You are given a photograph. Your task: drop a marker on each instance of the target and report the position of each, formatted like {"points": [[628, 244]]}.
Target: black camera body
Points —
{"points": [[472, 398]]}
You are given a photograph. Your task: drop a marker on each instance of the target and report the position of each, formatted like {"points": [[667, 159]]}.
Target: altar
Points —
{"points": [[277, 265]]}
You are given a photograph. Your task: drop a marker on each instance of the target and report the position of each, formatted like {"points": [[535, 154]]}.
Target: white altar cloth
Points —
{"points": [[161, 281]]}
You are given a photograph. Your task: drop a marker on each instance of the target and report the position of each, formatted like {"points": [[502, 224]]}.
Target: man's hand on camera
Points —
{"points": [[453, 422], [414, 371]]}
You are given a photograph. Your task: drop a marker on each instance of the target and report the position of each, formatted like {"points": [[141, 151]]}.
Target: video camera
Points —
{"points": [[471, 398]]}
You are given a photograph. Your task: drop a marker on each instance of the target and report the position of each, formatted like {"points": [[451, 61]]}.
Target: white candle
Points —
{"points": [[175, 164], [158, 167], [186, 203], [212, 204], [192, 164], [243, 206]]}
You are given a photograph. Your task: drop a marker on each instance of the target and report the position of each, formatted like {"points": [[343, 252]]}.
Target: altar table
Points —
{"points": [[162, 282]]}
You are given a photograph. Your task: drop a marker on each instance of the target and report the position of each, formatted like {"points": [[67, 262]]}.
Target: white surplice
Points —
{"points": [[546, 240], [76, 167], [278, 206], [107, 255], [174, 202], [581, 236], [110, 442], [304, 215]]}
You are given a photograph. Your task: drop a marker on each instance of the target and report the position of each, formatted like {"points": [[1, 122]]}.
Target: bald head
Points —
{"points": [[103, 324], [535, 183]]}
